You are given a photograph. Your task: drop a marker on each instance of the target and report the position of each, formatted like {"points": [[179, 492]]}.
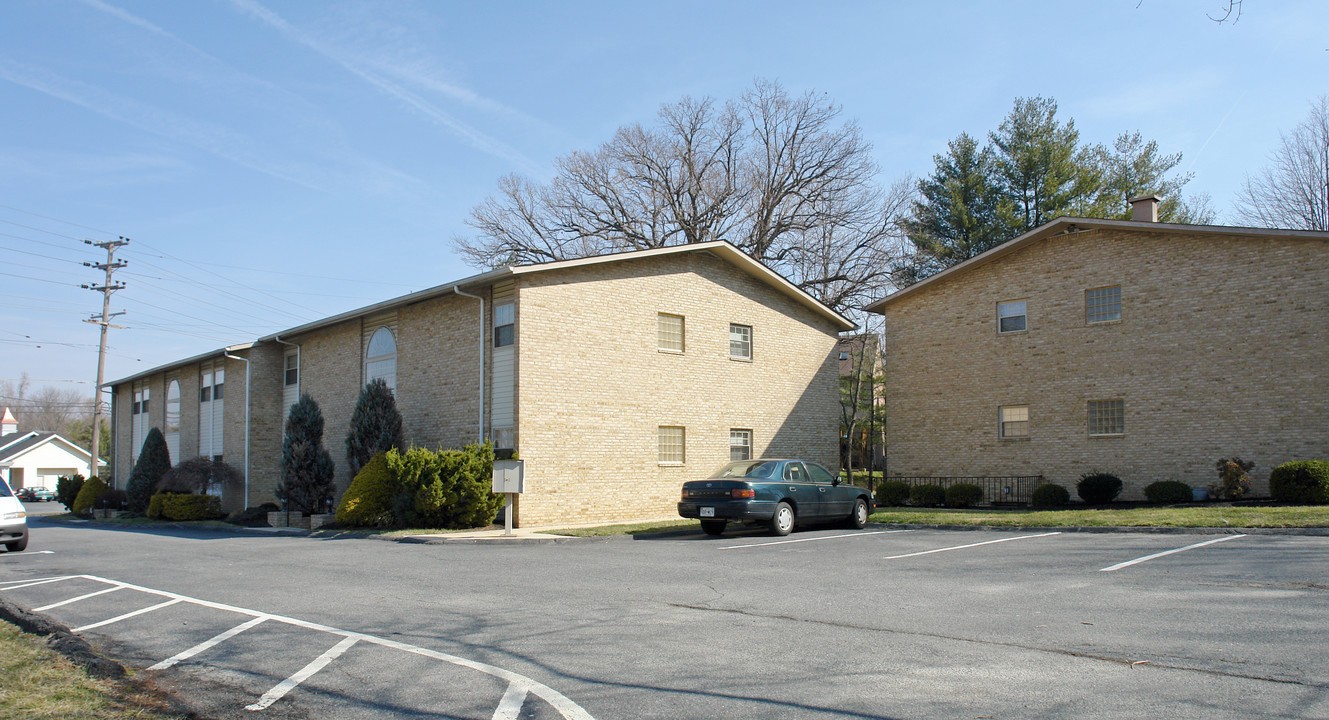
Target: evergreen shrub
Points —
{"points": [[87, 496], [177, 506], [1302, 482], [963, 495], [155, 504], [1168, 492], [306, 466], [892, 493], [368, 501], [927, 495], [1098, 488], [375, 425], [200, 476], [66, 489], [112, 500], [154, 459], [1050, 495]]}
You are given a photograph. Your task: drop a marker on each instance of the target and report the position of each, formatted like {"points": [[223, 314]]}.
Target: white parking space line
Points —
{"points": [[35, 583], [560, 702], [126, 616], [303, 674], [510, 706], [970, 545], [216, 640], [1147, 558], [802, 540], [62, 603]]}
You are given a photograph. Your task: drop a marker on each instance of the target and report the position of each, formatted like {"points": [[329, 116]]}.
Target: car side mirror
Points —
{"points": [[836, 481]]}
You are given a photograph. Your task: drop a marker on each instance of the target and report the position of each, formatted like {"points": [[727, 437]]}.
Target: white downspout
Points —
{"points": [[457, 289], [246, 362]]}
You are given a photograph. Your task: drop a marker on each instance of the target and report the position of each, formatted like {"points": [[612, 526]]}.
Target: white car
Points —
{"points": [[13, 520]]}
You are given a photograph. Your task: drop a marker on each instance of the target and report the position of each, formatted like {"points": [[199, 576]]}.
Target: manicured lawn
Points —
{"points": [[40, 684], [1200, 516], [628, 529]]}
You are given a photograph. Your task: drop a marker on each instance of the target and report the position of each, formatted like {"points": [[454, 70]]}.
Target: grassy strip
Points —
{"points": [[40, 684], [1193, 517], [629, 529]]}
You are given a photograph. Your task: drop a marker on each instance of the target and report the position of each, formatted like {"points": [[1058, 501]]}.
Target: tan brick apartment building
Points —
{"points": [[1145, 349], [615, 378]]}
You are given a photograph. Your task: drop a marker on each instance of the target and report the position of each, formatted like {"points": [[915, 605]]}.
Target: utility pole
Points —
{"points": [[104, 320]]}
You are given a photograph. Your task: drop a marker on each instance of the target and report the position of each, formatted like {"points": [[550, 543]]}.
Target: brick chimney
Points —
{"points": [[1144, 208]]}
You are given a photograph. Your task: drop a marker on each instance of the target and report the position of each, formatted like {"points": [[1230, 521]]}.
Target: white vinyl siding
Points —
{"points": [[211, 410], [290, 391], [141, 421], [503, 400], [173, 421]]}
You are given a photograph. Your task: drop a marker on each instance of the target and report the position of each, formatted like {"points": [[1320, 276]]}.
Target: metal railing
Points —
{"points": [[997, 490]]}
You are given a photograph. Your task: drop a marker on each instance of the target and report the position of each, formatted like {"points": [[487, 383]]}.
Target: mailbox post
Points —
{"points": [[508, 480]]}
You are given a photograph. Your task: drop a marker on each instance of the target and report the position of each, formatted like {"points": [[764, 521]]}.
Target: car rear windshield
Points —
{"points": [[761, 469]]}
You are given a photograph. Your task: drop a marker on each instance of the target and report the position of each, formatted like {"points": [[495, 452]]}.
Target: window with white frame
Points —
{"points": [[141, 422], [740, 445], [1102, 304], [505, 324], [671, 444], [670, 332], [1011, 316], [740, 342], [212, 410], [173, 420], [1107, 417], [1013, 421], [381, 358], [290, 390]]}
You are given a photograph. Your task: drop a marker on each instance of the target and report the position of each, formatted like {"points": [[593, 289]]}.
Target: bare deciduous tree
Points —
{"points": [[1293, 190], [46, 408], [780, 177]]}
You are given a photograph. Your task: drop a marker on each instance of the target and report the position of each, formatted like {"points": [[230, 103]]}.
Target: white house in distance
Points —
{"points": [[37, 459]]}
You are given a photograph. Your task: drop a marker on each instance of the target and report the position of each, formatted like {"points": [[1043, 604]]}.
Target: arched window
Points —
{"points": [[381, 358], [173, 420]]}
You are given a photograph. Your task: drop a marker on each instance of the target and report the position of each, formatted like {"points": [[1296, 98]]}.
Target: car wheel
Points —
{"points": [[782, 522], [712, 527], [859, 518], [18, 545]]}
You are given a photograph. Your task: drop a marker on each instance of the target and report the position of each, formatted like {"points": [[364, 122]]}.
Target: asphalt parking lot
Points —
{"points": [[879, 623]]}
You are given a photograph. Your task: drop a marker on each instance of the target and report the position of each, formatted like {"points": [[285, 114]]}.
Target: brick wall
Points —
{"points": [[594, 387], [1219, 352]]}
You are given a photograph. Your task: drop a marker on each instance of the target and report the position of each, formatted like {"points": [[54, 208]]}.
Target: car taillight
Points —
{"points": [[742, 493], [685, 493]]}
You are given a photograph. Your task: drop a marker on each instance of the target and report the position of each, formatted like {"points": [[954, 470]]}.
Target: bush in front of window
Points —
{"points": [[1168, 492], [375, 425], [1303, 482], [927, 495], [447, 488], [1098, 488], [892, 493], [67, 488], [1049, 495], [153, 462], [963, 495], [87, 496]]}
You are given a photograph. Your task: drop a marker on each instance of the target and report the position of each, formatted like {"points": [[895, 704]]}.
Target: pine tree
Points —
{"points": [[306, 466], [375, 425], [1039, 163], [153, 462]]}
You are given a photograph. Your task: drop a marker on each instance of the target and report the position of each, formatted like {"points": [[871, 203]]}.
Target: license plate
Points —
{"points": [[708, 512]]}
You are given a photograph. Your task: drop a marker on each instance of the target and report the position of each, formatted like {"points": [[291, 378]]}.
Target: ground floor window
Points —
{"points": [[1107, 417], [671, 444], [740, 445], [1014, 421]]}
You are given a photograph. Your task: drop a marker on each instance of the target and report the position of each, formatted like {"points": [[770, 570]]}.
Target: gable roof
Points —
{"points": [[28, 442], [1066, 225]]}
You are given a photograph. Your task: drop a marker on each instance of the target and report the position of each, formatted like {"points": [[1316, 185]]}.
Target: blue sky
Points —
{"points": [[277, 162]]}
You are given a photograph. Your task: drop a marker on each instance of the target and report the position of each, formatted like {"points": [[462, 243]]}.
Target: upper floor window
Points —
{"points": [[1013, 421], [381, 358], [844, 355], [1102, 304], [504, 324], [740, 342], [292, 373], [212, 385], [1011, 316], [671, 332], [1107, 417]]}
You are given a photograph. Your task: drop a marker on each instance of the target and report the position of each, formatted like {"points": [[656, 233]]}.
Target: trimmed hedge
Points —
{"points": [[927, 495], [892, 493], [1301, 482], [368, 501], [963, 495], [1098, 488], [1049, 495], [155, 505], [112, 500], [190, 507], [87, 496], [1168, 492]]}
